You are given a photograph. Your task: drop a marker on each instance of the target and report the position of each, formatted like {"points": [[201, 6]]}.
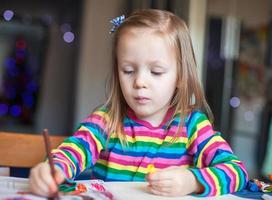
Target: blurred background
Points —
{"points": [[55, 57]]}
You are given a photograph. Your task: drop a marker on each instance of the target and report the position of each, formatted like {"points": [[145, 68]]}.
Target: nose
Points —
{"points": [[140, 81]]}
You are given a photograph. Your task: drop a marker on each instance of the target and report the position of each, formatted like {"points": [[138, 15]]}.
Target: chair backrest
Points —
{"points": [[24, 150]]}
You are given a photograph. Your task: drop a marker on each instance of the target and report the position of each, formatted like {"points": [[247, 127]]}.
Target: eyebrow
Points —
{"points": [[155, 64], [158, 64]]}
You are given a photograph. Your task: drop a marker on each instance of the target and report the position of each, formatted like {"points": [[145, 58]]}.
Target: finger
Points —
{"points": [[162, 186], [36, 184], [47, 179], [158, 192], [161, 189], [41, 192], [160, 175], [166, 173], [162, 183]]}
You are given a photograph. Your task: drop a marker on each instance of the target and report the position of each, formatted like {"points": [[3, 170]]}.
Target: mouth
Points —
{"points": [[142, 100]]}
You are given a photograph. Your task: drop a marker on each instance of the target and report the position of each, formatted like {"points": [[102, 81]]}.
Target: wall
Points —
{"points": [[55, 110], [95, 54], [197, 19]]}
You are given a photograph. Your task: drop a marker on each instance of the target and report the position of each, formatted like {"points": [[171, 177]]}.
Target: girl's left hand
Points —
{"points": [[173, 181]]}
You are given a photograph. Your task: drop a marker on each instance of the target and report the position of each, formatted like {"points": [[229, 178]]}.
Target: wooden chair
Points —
{"points": [[24, 150]]}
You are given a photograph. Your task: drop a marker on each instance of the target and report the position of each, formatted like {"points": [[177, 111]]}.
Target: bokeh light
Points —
{"points": [[68, 37], [8, 15], [235, 102], [15, 110], [249, 116]]}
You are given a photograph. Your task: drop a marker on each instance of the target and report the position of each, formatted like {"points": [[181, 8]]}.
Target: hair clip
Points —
{"points": [[116, 23]]}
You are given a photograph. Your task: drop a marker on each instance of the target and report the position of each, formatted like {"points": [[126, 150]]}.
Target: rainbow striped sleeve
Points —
{"points": [[81, 150], [215, 166]]}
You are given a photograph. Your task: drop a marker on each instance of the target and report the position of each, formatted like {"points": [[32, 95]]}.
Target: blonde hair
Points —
{"points": [[189, 94]]}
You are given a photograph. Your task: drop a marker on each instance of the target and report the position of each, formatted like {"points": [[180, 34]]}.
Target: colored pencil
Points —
{"points": [[50, 159]]}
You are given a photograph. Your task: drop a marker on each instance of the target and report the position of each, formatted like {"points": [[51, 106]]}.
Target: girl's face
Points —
{"points": [[147, 69]]}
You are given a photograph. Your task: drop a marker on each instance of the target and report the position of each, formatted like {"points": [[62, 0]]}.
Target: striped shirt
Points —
{"points": [[198, 147]]}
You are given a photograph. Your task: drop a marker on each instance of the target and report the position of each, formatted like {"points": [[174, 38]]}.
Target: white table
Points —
{"points": [[120, 190], [137, 191]]}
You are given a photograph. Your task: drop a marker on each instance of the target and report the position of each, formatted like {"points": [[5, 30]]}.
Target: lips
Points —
{"points": [[142, 100]]}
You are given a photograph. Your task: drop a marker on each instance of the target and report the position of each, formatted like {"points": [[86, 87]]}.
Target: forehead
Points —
{"points": [[134, 32], [133, 39]]}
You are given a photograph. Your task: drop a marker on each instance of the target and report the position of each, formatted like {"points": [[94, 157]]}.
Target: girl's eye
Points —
{"points": [[128, 72], [156, 73]]}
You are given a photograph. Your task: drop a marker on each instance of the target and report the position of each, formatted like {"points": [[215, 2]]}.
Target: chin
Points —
{"points": [[141, 113]]}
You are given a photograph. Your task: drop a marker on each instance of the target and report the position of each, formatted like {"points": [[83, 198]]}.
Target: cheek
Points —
{"points": [[121, 80], [124, 86], [167, 85]]}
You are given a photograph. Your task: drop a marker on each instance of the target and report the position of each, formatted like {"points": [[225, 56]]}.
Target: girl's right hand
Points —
{"points": [[41, 181]]}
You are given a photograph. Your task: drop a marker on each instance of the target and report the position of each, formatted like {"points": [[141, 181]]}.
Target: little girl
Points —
{"points": [[154, 115]]}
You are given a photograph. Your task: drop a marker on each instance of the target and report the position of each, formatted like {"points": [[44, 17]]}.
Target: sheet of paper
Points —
{"points": [[13, 184], [16, 188]]}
